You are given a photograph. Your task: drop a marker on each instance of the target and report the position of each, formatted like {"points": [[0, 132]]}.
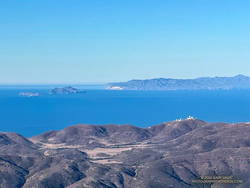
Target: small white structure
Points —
{"points": [[191, 118], [188, 118], [178, 119]]}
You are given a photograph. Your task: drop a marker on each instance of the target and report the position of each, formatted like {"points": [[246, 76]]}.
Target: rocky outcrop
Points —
{"points": [[64, 90]]}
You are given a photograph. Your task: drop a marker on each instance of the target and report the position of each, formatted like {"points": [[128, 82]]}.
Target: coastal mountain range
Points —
{"points": [[203, 83], [169, 155]]}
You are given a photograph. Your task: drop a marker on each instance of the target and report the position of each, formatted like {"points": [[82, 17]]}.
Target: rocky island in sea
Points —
{"points": [[172, 154], [65, 90], [29, 94], [203, 83]]}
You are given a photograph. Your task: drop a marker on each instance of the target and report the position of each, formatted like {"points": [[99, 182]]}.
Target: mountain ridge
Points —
{"points": [[170, 154], [202, 83]]}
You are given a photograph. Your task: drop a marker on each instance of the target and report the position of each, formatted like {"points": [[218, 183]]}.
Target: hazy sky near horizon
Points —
{"points": [[76, 41]]}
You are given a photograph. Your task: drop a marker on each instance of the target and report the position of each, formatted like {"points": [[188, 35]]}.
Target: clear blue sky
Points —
{"points": [[75, 41]]}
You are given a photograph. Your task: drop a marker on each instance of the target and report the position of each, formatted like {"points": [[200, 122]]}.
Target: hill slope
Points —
{"points": [[171, 154]]}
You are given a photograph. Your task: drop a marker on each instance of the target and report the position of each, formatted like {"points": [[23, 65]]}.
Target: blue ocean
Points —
{"points": [[31, 116]]}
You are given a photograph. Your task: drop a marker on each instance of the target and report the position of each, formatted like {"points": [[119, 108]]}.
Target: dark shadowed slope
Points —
{"points": [[171, 154]]}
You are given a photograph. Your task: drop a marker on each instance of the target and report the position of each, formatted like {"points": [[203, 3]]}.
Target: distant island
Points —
{"points": [[29, 94], [65, 90], [203, 83]]}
